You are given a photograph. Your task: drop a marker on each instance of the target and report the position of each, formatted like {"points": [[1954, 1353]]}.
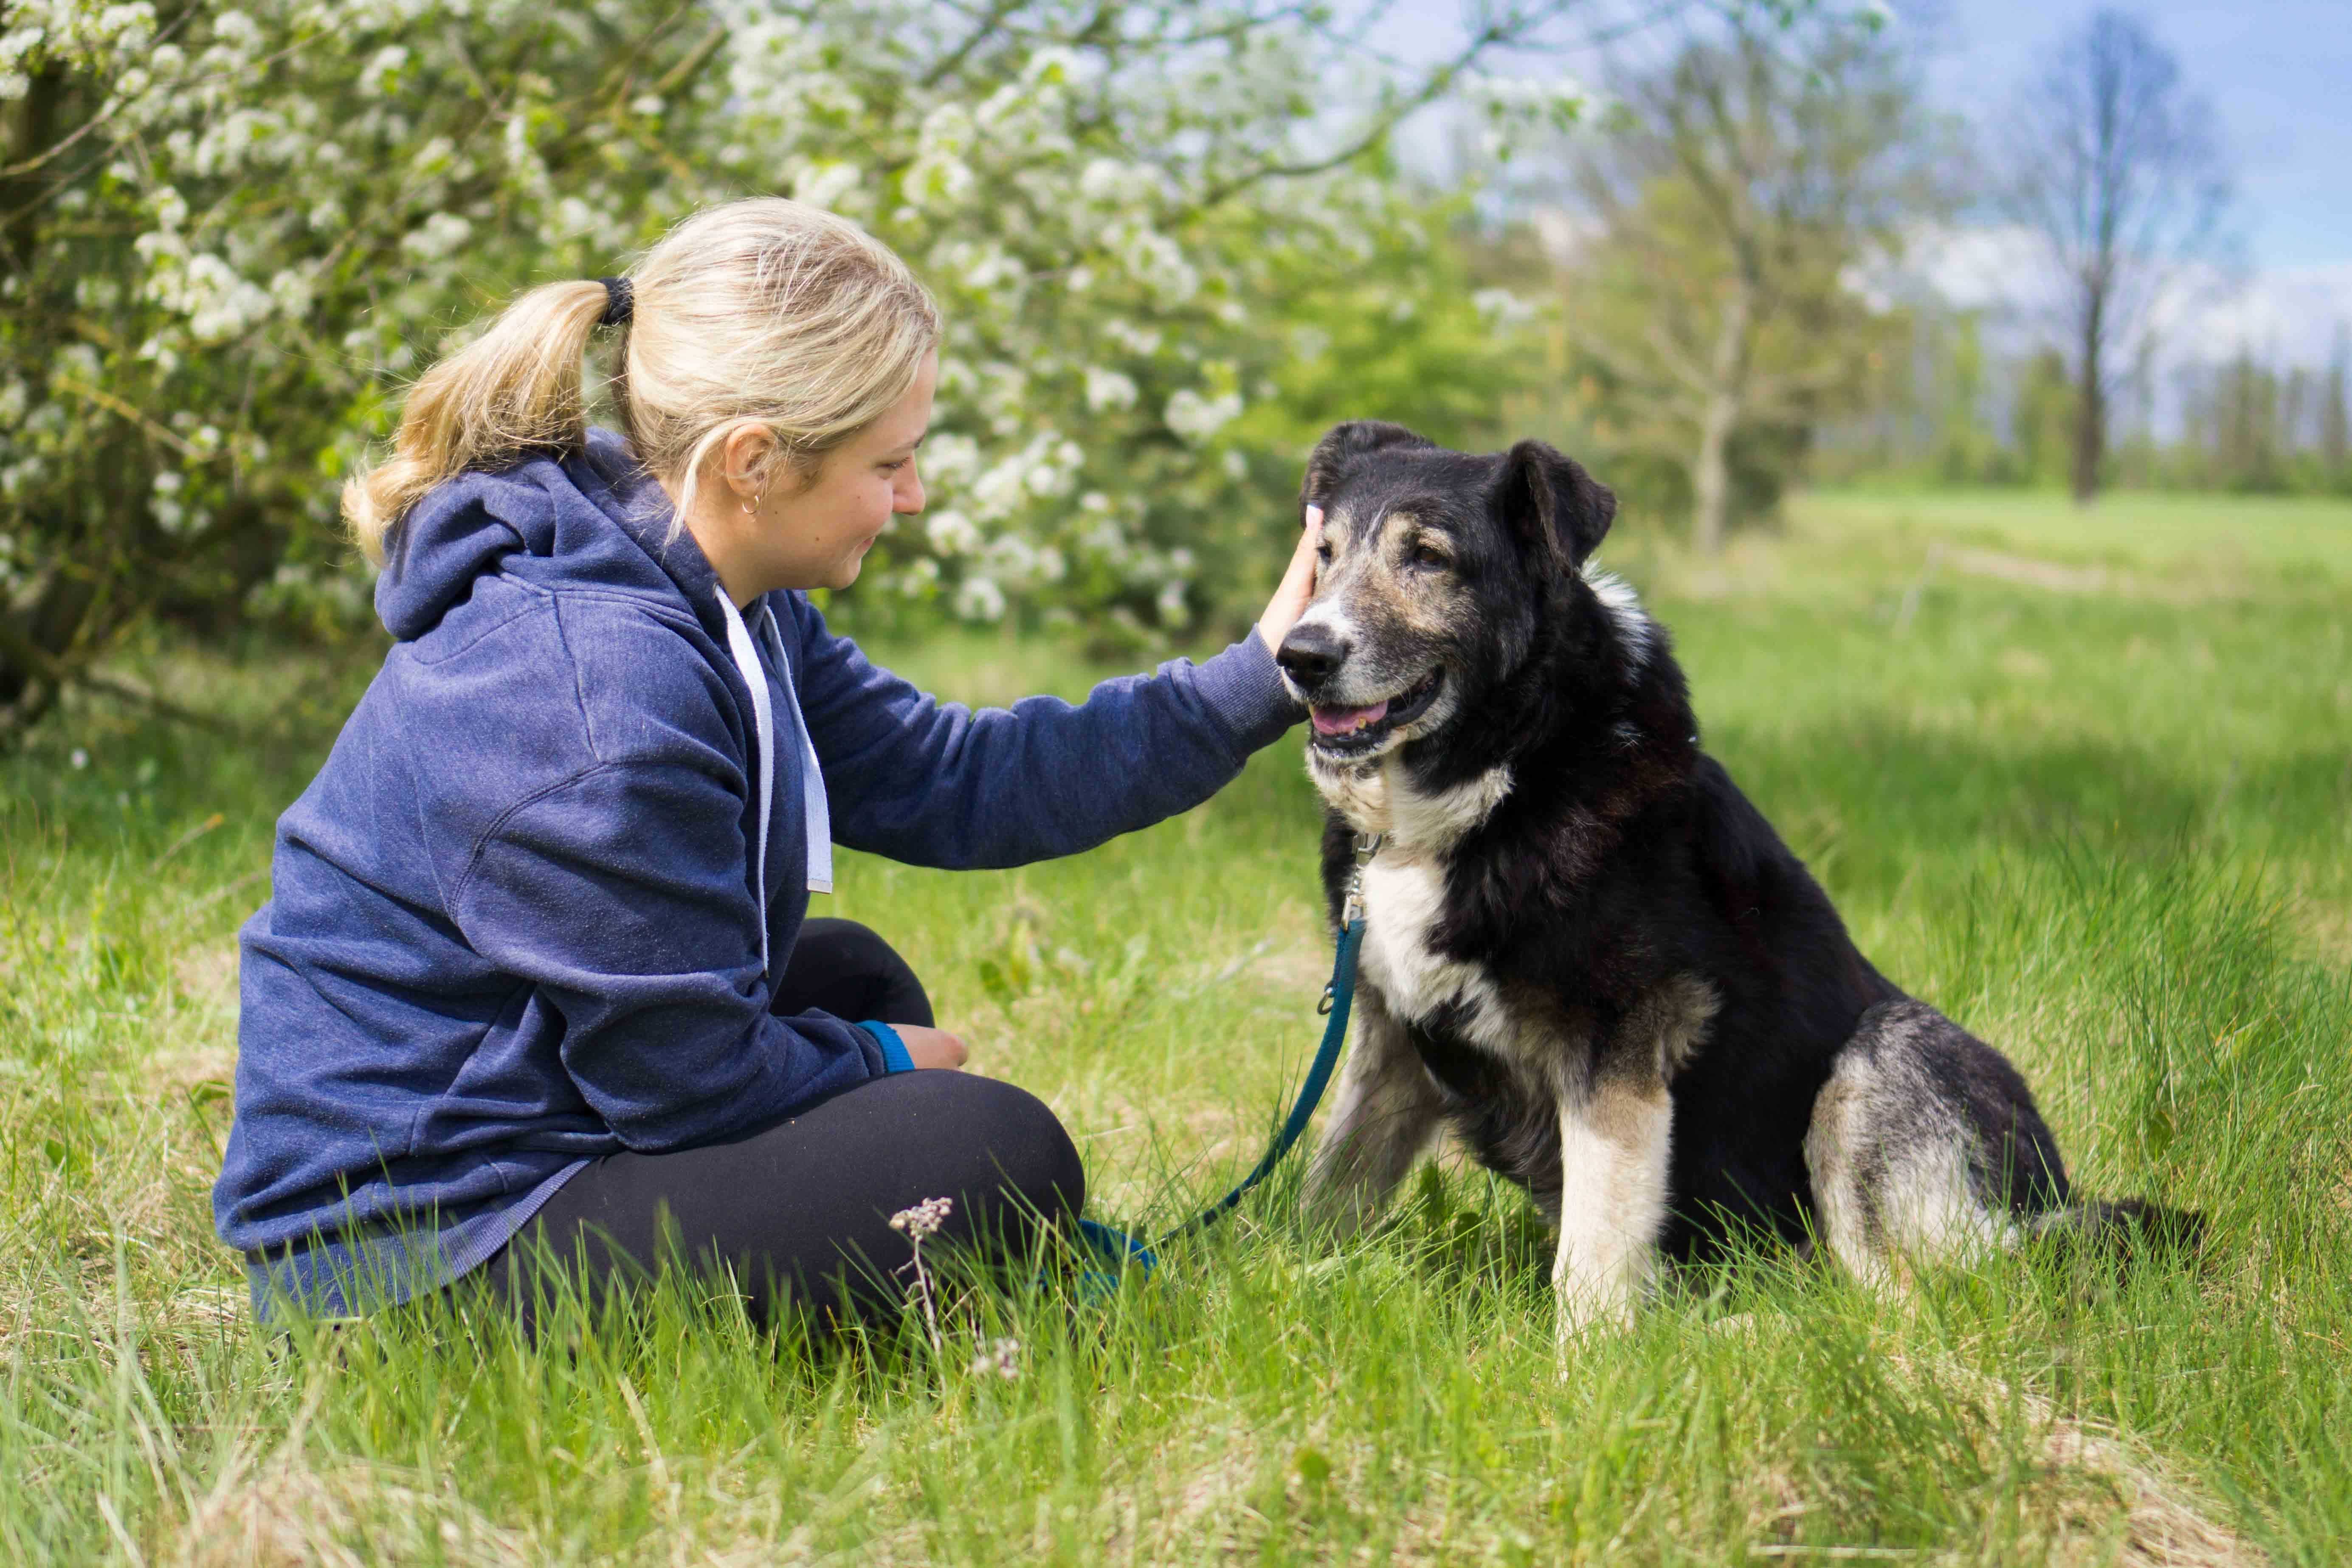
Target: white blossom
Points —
{"points": [[1000, 1359], [383, 71], [951, 533], [441, 235], [1501, 308], [1523, 110], [949, 459], [1108, 389], [918, 578], [924, 1219], [823, 183], [1051, 196], [1196, 418], [1173, 612], [78, 362], [980, 599], [1135, 340]]}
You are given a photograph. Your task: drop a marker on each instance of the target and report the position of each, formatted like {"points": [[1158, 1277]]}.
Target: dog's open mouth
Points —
{"points": [[1354, 729]]}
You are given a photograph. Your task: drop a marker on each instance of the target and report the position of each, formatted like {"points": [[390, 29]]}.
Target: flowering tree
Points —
{"points": [[227, 236]]}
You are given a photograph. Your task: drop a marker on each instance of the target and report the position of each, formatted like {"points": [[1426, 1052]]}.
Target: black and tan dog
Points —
{"points": [[1585, 951]]}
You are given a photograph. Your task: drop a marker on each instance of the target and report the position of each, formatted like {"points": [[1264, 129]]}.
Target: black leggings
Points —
{"points": [[800, 1213]]}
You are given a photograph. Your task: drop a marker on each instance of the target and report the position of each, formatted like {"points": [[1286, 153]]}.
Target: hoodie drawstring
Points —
{"points": [[814, 802], [812, 796]]}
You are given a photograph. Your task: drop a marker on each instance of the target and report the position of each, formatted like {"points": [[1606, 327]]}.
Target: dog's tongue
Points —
{"points": [[1341, 720]]}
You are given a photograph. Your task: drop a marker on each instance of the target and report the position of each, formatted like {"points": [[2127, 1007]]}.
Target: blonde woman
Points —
{"points": [[536, 980]]}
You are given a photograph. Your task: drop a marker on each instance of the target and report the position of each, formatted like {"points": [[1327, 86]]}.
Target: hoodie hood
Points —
{"points": [[594, 517]]}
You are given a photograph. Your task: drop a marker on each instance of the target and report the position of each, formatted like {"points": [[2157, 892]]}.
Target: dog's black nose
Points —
{"points": [[1311, 653]]}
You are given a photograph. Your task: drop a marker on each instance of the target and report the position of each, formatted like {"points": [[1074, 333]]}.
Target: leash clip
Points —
{"points": [[1352, 909]]}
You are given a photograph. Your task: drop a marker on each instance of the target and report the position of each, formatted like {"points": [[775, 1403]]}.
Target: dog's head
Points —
{"points": [[1438, 567]]}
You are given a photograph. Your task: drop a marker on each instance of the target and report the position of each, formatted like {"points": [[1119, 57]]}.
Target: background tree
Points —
{"points": [[2116, 169], [2043, 419], [229, 235], [1747, 188], [224, 236], [2335, 414]]}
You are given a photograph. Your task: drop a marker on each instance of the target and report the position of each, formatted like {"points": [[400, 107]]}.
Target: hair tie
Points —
{"points": [[620, 300]]}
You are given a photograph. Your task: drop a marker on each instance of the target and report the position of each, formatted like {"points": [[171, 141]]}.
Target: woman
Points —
{"points": [[535, 980]]}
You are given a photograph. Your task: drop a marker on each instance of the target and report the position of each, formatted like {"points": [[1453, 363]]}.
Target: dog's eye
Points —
{"points": [[1323, 551], [1429, 555]]}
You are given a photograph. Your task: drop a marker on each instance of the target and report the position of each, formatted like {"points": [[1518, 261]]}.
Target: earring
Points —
{"points": [[752, 506]]}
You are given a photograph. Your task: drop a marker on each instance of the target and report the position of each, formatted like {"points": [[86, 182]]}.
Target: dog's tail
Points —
{"points": [[2127, 1229]]}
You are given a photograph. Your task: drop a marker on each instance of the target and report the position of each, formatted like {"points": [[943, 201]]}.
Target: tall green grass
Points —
{"points": [[2085, 794]]}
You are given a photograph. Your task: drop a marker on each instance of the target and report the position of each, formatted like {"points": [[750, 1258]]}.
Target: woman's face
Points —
{"points": [[816, 536]]}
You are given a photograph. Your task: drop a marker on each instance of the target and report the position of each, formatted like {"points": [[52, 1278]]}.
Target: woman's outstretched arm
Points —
{"points": [[935, 783]]}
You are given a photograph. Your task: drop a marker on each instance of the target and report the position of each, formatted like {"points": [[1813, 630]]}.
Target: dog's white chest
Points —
{"points": [[1403, 902]]}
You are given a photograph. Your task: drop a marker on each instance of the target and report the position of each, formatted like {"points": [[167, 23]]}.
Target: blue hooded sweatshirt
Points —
{"points": [[513, 922]]}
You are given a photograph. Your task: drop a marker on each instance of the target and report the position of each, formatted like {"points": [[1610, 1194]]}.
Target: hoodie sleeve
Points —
{"points": [[934, 783], [620, 894]]}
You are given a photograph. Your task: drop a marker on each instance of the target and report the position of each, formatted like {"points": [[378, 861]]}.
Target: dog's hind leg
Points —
{"points": [[1614, 1138], [1386, 1115], [1925, 1143]]}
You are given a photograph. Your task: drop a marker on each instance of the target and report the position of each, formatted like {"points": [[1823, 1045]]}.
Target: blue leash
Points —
{"points": [[1114, 1245]]}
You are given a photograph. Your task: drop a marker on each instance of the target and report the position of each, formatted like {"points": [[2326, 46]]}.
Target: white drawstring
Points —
{"points": [[813, 797], [814, 805]]}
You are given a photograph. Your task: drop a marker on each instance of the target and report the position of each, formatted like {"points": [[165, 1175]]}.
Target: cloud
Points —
{"points": [[2283, 315], [2288, 316]]}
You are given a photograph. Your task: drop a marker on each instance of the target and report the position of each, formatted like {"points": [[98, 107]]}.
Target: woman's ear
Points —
{"points": [[747, 463]]}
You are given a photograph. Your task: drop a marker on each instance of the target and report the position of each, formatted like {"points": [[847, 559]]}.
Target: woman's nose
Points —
{"points": [[910, 498]]}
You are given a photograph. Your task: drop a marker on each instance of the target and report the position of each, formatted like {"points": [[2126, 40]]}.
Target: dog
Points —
{"points": [[1585, 951]]}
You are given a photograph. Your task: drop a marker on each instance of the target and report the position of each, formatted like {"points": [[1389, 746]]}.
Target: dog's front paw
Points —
{"points": [[1591, 1307], [1596, 1286], [1341, 1211]]}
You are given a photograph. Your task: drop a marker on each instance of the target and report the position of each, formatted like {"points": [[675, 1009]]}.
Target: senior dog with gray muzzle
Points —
{"points": [[1585, 951]]}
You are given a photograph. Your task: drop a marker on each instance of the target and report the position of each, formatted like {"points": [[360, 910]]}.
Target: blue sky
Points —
{"points": [[2277, 72]]}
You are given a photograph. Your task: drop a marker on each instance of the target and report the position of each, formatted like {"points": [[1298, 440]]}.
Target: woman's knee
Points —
{"points": [[1010, 1138], [841, 966], [1042, 1164]]}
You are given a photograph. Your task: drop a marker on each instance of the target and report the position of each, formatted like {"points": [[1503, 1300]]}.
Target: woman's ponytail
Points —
{"points": [[513, 391]]}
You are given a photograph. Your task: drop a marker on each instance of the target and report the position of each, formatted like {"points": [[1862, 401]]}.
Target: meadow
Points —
{"points": [[2084, 782]]}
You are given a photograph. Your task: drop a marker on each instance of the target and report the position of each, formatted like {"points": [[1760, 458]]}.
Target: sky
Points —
{"points": [[2278, 74]]}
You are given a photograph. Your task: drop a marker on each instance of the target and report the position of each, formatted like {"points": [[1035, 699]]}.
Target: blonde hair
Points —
{"points": [[767, 313]]}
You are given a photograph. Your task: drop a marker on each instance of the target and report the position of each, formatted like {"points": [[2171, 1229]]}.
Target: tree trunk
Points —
{"points": [[1711, 475], [2091, 400], [41, 648], [1711, 471]]}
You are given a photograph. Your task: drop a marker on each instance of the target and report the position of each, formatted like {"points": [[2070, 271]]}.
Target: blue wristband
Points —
{"points": [[894, 1049]]}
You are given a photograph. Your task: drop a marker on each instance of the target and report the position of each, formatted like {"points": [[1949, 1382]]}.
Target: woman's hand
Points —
{"points": [[1289, 601], [931, 1047]]}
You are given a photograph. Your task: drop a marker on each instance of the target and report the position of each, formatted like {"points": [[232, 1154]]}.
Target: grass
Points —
{"points": [[2083, 782]]}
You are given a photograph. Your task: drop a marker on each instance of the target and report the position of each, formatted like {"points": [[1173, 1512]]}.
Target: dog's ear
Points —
{"points": [[1343, 442], [1557, 509]]}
